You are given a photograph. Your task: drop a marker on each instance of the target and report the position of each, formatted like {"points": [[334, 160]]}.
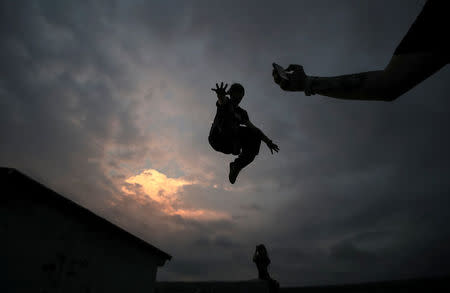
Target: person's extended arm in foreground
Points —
{"points": [[423, 51], [401, 74]]}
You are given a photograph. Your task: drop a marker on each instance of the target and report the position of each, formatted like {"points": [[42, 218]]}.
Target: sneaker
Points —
{"points": [[234, 172]]}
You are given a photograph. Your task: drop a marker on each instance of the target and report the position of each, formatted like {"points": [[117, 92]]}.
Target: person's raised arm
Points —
{"points": [[221, 92], [269, 143], [401, 74]]}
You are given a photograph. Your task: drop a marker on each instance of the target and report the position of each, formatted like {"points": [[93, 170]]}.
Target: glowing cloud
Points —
{"points": [[164, 190], [158, 186]]}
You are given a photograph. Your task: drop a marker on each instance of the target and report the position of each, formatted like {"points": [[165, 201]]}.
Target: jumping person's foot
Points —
{"points": [[234, 172]]}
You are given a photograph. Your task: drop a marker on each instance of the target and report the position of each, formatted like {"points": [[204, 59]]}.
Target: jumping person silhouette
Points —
{"points": [[232, 132], [423, 51]]}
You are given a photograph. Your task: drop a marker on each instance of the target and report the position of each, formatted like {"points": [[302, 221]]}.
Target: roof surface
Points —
{"points": [[20, 186]]}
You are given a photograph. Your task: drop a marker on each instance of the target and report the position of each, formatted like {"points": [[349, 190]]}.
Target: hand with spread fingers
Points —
{"points": [[221, 90], [272, 147]]}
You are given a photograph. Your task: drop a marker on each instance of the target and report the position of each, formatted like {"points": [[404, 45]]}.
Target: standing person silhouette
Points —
{"points": [[232, 132], [262, 261], [423, 51]]}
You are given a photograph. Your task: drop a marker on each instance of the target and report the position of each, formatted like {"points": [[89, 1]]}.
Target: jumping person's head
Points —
{"points": [[236, 93]]}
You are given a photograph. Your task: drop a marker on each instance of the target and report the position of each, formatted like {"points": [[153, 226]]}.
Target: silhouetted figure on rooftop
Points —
{"points": [[262, 261], [232, 132], [422, 52]]}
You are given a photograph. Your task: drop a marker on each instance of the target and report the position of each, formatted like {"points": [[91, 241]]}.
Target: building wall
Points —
{"points": [[53, 249]]}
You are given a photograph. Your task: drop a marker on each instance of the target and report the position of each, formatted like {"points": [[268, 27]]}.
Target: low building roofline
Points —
{"points": [[13, 174]]}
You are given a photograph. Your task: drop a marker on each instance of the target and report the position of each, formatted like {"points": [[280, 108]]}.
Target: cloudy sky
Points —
{"points": [[109, 104]]}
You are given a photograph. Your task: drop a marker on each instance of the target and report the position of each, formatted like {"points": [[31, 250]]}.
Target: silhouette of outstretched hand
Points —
{"points": [[272, 147], [221, 90], [296, 76]]}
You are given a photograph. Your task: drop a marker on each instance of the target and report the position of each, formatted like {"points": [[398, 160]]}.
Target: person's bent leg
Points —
{"points": [[220, 143], [251, 142]]}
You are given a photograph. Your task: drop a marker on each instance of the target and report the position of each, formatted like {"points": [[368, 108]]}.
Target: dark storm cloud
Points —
{"points": [[51, 116], [358, 192]]}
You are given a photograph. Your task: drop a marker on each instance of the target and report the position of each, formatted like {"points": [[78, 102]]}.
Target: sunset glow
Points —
{"points": [[157, 187]]}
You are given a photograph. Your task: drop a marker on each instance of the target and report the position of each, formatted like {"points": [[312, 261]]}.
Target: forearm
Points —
{"points": [[361, 86], [401, 74], [263, 136], [259, 131]]}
